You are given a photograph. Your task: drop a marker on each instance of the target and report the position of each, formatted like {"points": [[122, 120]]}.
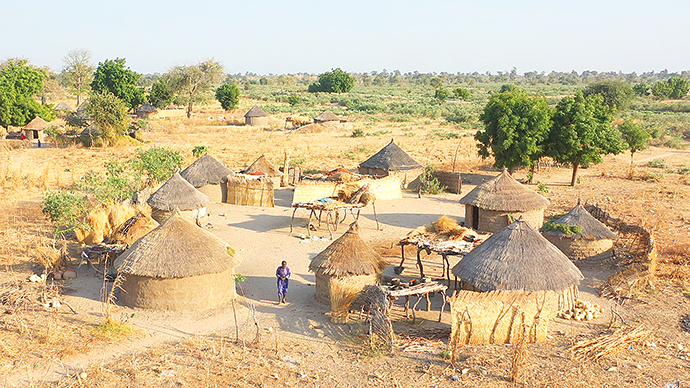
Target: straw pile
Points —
{"points": [[608, 346], [343, 294], [104, 222], [496, 317], [445, 228], [133, 229], [250, 191]]}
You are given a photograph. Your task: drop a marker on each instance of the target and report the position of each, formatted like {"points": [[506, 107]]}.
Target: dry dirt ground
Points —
{"points": [[295, 344]]}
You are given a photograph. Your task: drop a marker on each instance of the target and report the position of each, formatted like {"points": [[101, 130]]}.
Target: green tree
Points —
{"points": [[461, 93], [158, 163], [109, 114], [294, 99], [286, 80], [641, 89], [441, 94], [582, 132], [194, 84], [112, 76], [616, 94], [77, 73], [673, 88], [334, 81], [161, 95], [515, 127], [19, 84], [436, 82], [228, 95], [635, 137]]}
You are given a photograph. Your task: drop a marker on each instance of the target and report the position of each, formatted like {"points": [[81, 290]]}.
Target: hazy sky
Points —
{"points": [[314, 36]]}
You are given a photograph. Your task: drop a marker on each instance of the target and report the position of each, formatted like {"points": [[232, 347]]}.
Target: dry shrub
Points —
{"points": [[14, 144], [103, 223], [342, 296]]}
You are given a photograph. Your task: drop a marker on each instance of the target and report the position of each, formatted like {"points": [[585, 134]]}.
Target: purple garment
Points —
{"points": [[283, 283]]}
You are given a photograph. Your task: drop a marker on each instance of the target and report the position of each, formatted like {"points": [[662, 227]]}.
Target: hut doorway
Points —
{"points": [[33, 134], [475, 217]]}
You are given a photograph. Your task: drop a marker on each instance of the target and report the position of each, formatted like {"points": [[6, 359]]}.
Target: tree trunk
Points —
{"points": [[189, 111], [632, 158], [574, 178], [531, 173], [78, 100]]}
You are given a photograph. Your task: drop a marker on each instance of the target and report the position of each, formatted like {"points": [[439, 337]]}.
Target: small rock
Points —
{"points": [[455, 378], [612, 369], [465, 371], [83, 375], [679, 347], [169, 373], [639, 366]]}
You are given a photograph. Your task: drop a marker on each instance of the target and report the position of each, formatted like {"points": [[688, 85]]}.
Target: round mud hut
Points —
{"points": [[326, 117], [343, 269], [147, 111], [177, 266], [209, 176], [256, 117], [519, 258], [579, 235], [490, 206], [35, 130], [177, 194], [392, 160]]}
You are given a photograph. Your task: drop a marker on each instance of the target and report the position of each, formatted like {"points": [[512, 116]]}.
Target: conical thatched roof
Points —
{"points": [[327, 116], [256, 112], [177, 249], [592, 229], [504, 193], [36, 124], [82, 108], [263, 165], [64, 106], [349, 255], [391, 158], [178, 194], [206, 170], [146, 108], [518, 258]]}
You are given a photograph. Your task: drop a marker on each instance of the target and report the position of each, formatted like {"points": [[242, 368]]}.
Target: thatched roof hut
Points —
{"points": [[256, 116], [34, 130], [263, 166], [64, 107], [209, 176], [344, 268], [326, 116], [589, 237], [177, 266], [146, 111], [36, 124], [489, 206], [178, 194], [519, 258], [392, 160]]}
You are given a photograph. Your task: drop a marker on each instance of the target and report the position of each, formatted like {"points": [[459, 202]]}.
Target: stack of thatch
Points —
{"points": [[208, 175], [489, 206], [177, 194], [579, 235], [519, 258], [177, 266], [133, 229], [342, 271]]}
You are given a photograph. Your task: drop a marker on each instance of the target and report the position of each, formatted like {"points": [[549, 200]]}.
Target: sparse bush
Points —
{"points": [[158, 163], [199, 151], [429, 184], [358, 133], [66, 210], [657, 163]]}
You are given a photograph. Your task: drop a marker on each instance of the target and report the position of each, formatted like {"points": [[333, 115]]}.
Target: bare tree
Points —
{"points": [[78, 72]]}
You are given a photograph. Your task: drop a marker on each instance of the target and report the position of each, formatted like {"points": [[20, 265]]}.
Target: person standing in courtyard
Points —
{"points": [[283, 275]]}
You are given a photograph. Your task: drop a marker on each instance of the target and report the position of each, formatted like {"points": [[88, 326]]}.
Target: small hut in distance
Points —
{"points": [[392, 160], [34, 130], [343, 269], [208, 175], [64, 107], [177, 266], [147, 111], [177, 194], [579, 235], [256, 117], [489, 206]]}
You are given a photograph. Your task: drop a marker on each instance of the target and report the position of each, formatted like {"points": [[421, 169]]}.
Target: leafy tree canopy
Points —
{"points": [[673, 88], [114, 77], [192, 85], [228, 95], [161, 94], [581, 132], [516, 126], [109, 114], [441, 94], [635, 137], [19, 83], [461, 93], [616, 94], [334, 81]]}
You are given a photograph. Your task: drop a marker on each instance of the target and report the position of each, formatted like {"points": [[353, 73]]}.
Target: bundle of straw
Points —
{"points": [[342, 296], [608, 346]]}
